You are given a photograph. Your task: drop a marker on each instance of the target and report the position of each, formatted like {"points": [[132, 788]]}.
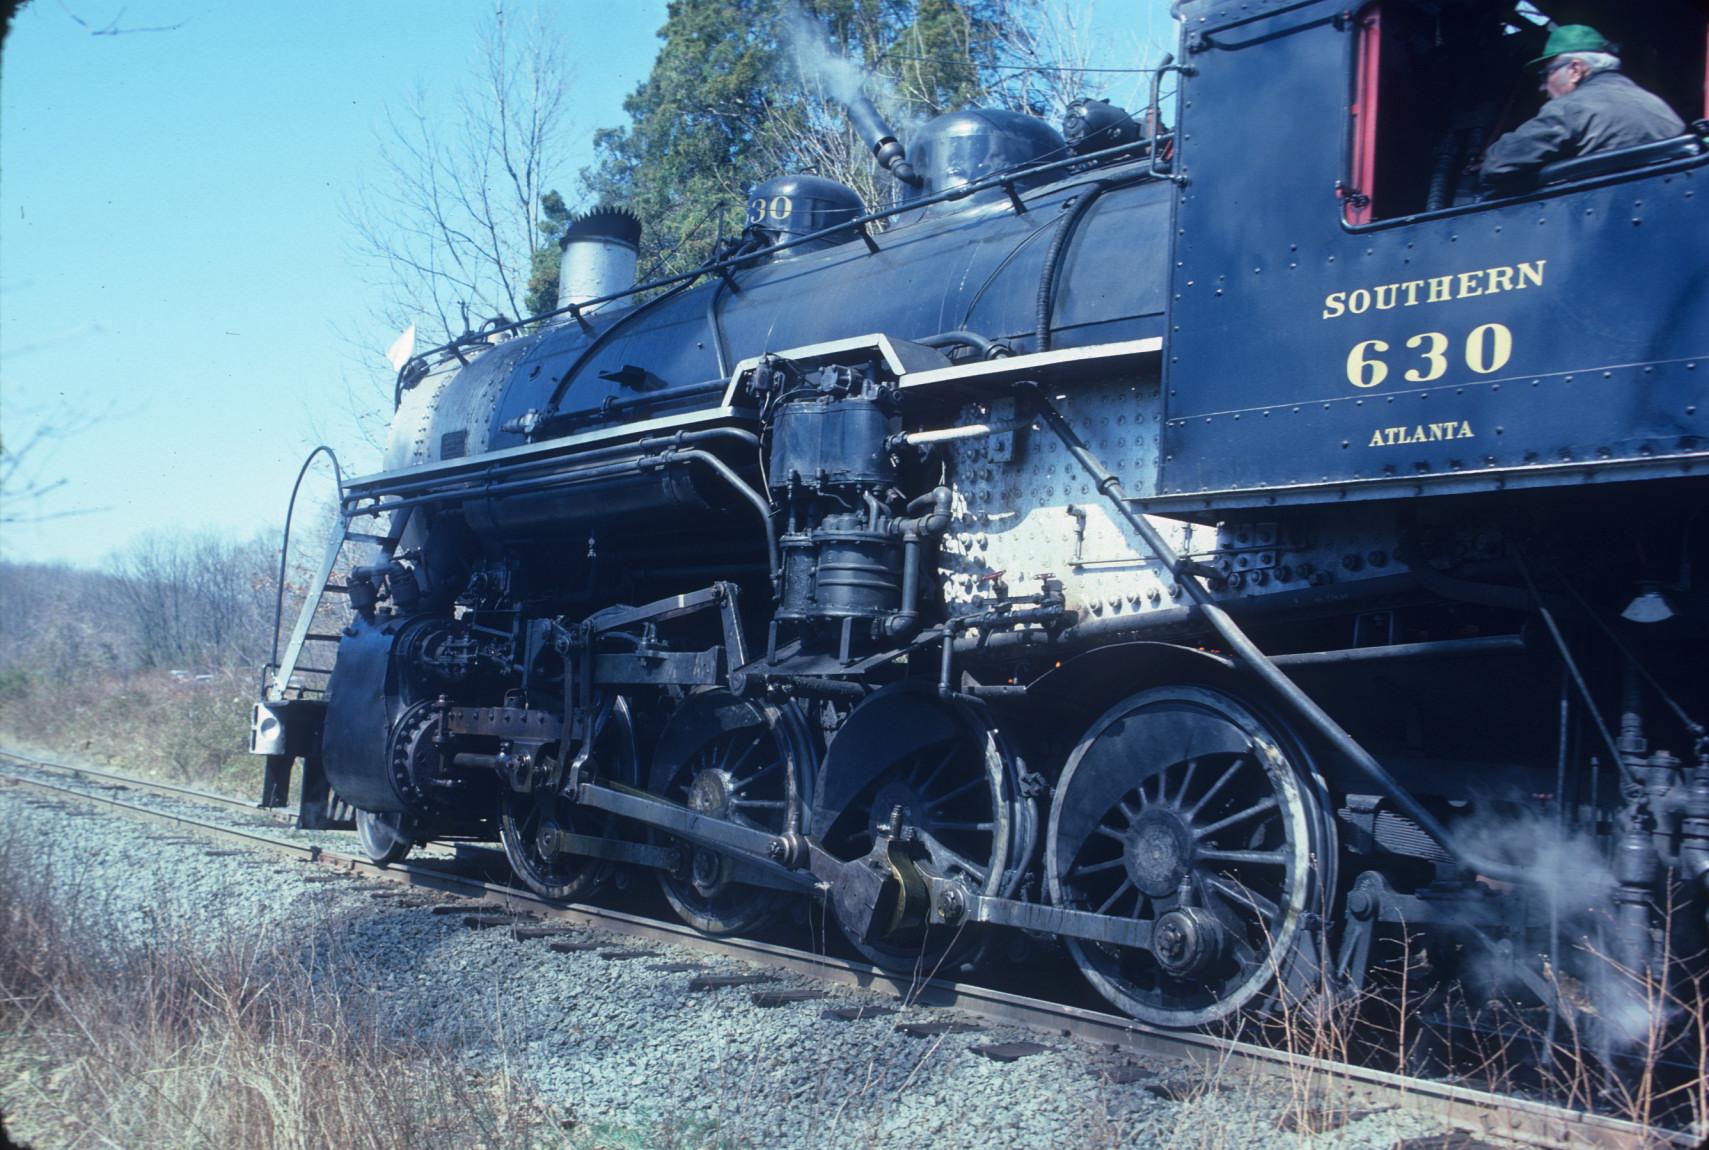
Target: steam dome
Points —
{"points": [[960, 148]]}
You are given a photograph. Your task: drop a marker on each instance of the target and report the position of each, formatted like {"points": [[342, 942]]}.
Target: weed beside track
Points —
{"points": [[160, 1036]]}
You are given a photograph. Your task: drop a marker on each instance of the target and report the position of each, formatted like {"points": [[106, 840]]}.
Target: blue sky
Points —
{"points": [[179, 292]]}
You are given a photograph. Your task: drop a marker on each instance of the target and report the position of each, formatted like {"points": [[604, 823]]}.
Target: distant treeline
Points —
{"points": [[149, 663], [196, 603]]}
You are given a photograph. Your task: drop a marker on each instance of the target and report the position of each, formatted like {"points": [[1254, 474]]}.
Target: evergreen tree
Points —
{"points": [[738, 94], [543, 271]]}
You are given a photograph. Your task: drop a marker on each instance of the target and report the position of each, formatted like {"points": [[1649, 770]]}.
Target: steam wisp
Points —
{"points": [[845, 82]]}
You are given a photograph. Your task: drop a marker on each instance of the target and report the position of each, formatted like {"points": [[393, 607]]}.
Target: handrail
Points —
{"points": [[285, 545], [961, 192]]}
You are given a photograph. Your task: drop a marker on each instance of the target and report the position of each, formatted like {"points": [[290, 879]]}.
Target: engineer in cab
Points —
{"points": [[1592, 107]]}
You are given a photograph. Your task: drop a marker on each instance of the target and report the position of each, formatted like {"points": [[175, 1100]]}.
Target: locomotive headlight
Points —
{"points": [[266, 731]]}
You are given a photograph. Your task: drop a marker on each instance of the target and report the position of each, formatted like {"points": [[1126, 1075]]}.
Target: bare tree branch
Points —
{"points": [[454, 224], [111, 28], [25, 479]]}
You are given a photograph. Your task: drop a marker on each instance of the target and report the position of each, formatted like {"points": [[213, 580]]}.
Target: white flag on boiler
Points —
{"points": [[402, 348]]}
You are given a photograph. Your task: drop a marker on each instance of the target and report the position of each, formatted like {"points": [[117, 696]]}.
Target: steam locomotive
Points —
{"points": [[1219, 547]]}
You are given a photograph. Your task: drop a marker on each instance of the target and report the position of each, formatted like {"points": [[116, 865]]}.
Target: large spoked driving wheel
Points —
{"points": [[1181, 809], [743, 761], [530, 825], [942, 773]]}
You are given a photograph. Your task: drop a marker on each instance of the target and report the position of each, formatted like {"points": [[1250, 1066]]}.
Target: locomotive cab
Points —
{"points": [[1436, 84], [1363, 305]]}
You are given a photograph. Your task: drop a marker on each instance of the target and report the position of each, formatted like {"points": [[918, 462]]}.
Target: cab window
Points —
{"points": [[1435, 81]]}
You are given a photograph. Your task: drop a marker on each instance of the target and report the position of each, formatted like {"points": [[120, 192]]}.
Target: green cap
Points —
{"points": [[1572, 38]]}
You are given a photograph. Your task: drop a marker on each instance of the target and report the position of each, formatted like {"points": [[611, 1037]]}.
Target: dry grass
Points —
{"points": [[159, 1038], [183, 730], [1653, 1072]]}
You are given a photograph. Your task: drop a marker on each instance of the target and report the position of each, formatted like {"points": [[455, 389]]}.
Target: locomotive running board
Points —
{"points": [[1052, 365]]}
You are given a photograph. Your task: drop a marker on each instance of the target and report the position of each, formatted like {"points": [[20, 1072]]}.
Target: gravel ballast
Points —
{"points": [[616, 1032]]}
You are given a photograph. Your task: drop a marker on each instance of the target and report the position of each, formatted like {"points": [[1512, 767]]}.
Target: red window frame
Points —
{"points": [[1358, 208]]}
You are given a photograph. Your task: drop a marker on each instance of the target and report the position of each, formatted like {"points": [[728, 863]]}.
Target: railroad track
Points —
{"points": [[120, 782], [1522, 1121]]}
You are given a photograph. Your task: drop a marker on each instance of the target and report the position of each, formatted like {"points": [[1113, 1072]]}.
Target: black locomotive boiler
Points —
{"points": [[1218, 546]]}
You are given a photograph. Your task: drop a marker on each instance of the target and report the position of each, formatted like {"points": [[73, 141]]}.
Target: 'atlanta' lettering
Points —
{"points": [[1421, 433]]}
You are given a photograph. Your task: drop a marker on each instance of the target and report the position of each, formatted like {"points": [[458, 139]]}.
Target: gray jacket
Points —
{"points": [[1604, 113]]}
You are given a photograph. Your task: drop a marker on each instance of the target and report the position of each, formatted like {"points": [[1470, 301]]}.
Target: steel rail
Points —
{"points": [[1520, 1120], [171, 790]]}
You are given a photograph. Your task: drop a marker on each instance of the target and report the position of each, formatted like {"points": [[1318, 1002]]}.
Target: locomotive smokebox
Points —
{"points": [[599, 254]]}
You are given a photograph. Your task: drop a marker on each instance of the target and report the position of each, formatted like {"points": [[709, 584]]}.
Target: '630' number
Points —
{"points": [[1487, 349]]}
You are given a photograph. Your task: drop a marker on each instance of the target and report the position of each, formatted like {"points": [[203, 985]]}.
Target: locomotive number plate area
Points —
{"points": [[1562, 340], [1441, 375]]}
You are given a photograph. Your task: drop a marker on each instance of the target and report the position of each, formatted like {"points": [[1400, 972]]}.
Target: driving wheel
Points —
{"points": [[743, 761], [529, 823], [941, 772], [1181, 809]]}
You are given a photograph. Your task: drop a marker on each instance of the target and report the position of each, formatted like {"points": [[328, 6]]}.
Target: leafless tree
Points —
{"points": [[451, 225], [195, 602], [112, 28], [55, 622], [28, 479], [1050, 61]]}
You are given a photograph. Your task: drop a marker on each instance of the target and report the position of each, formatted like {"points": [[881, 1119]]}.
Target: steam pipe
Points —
{"points": [[381, 486], [1053, 262], [886, 148], [488, 490], [936, 523], [578, 475], [985, 346], [915, 531], [754, 499]]}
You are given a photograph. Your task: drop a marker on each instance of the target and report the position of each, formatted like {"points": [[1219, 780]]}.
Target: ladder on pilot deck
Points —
{"points": [[303, 635], [319, 808]]}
